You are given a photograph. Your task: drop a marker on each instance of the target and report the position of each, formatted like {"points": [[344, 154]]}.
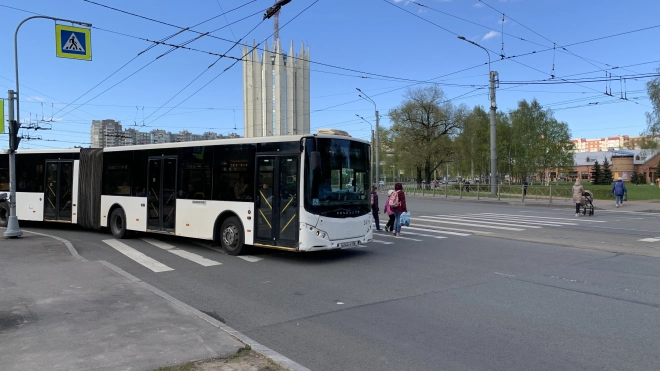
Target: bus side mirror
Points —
{"points": [[315, 160]]}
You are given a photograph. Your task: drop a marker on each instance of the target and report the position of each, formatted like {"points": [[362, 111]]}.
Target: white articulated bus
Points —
{"points": [[297, 193]]}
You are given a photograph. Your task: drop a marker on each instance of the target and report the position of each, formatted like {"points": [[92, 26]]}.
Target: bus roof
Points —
{"points": [[214, 142]]}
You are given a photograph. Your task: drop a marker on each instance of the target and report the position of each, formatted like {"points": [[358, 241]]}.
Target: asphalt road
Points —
{"points": [[468, 287]]}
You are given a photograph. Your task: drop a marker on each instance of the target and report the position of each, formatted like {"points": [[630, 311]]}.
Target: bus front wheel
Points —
{"points": [[231, 236], [118, 224]]}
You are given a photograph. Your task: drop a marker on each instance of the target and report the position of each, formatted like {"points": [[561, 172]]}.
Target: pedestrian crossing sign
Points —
{"points": [[73, 42]]}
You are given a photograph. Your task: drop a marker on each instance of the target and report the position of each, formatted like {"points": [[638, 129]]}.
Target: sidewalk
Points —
{"points": [[61, 312], [636, 206]]}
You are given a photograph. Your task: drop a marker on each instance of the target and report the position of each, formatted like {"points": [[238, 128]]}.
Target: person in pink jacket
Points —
{"points": [[390, 223]]}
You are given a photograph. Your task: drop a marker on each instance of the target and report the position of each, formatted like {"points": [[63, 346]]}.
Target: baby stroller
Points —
{"points": [[587, 203]]}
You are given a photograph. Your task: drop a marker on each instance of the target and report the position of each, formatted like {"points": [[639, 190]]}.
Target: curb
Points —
{"points": [[261, 349]]}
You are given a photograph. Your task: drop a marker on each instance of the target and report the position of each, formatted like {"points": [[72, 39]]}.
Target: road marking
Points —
{"points": [[547, 217], [138, 257], [425, 235], [383, 242], [182, 253], [250, 258], [479, 219], [402, 238], [430, 228], [522, 219], [649, 240], [504, 274], [428, 219]]}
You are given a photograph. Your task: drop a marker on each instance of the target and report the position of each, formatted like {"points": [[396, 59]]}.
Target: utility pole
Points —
{"points": [[13, 229], [493, 148], [377, 140], [493, 75]]}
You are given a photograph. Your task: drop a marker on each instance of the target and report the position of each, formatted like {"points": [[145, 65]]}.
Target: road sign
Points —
{"points": [[2, 116], [73, 42]]}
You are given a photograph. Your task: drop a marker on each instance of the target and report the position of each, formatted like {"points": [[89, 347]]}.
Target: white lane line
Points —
{"points": [[182, 253], [518, 221], [383, 242], [425, 235], [469, 224], [649, 240], [401, 237], [547, 217], [431, 228], [524, 218], [472, 219], [250, 258], [138, 257]]}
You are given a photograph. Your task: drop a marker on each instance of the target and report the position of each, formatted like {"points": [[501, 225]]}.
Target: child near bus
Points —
{"points": [[389, 212]]}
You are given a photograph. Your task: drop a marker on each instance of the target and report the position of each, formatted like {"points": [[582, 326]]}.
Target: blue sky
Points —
{"points": [[380, 46]]}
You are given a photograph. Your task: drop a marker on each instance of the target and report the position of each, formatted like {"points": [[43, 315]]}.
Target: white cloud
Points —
{"points": [[478, 5], [500, 21], [35, 99], [490, 35]]}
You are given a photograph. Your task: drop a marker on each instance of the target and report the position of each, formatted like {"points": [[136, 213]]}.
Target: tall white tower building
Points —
{"points": [[276, 91]]}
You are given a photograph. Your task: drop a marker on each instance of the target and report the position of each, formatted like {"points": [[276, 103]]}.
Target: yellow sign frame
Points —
{"points": [[59, 43]]}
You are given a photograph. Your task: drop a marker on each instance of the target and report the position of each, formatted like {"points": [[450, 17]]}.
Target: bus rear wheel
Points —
{"points": [[231, 236], [118, 223], [4, 214]]}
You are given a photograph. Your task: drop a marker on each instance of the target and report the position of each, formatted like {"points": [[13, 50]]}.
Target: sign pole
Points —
{"points": [[13, 229]]}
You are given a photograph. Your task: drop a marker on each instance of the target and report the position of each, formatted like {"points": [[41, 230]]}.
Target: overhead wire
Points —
{"points": [[233, 64]]}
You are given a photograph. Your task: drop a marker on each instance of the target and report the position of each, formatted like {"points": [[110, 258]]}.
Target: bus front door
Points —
{"points": [[162, 194], [276, 203], [58, 191]]}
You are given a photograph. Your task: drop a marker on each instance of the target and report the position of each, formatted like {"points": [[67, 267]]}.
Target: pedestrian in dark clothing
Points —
{"points": [[619, 189], [398, 209], [525, 185], [374, 206]]}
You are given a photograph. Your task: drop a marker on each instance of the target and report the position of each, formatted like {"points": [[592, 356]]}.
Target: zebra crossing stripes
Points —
{"points": [[182, 253], [138, 257], [545, 218], [439, 220]]}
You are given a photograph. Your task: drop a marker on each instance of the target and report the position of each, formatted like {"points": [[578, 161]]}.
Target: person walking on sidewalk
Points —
{"points": [[619, 189], [387, 210], [374, 206], [398, 204], [578, 190]]}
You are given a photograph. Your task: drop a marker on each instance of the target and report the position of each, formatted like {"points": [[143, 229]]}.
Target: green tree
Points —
{"points": [[652, 118], [596, 174], [423, 127], [472, 154], [538, 141], [607, 172]]}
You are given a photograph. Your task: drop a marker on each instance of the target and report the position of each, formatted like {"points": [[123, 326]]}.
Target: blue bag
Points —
{"points": [[405, 219]]}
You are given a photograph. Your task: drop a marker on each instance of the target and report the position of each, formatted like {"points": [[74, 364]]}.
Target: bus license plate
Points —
{"points": [[348, 244]]}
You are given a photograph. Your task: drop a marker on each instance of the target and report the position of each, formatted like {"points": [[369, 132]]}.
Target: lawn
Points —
{"points": [[642, 192]]}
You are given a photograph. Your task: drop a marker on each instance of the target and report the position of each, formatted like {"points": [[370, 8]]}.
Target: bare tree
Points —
{"points": [[423, 127]]}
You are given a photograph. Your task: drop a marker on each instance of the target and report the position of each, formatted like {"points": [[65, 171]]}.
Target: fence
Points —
{"points": [[508, 192]]}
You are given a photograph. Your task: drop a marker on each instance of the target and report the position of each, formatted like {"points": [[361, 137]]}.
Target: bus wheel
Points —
{"points": [[4, 214], [231, 236], [118, 223]]}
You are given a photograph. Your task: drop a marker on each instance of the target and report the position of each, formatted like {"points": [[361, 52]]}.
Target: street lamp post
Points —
{"points": [[493, 109], [372, 141], [13, 229], [376, 139]]}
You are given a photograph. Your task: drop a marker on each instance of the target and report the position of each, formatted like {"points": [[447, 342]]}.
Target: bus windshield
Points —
{"points": [[337, 183]]}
